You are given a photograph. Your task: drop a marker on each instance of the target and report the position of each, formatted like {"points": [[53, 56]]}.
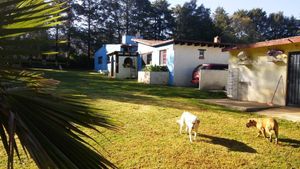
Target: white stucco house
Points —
{"points": [[266, 72], [181, 56]]}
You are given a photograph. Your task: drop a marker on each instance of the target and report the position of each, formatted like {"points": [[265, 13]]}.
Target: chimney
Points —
{"points": [[217, 39], [138, 34]]}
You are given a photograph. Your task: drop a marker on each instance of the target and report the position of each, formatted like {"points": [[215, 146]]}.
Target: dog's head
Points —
{"points": [[196, 124], [251, 123]]}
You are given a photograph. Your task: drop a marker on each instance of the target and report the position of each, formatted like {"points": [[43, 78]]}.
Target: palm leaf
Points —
{"points": [[28, 42], [48, 126], [50, 120], [28, 15]]}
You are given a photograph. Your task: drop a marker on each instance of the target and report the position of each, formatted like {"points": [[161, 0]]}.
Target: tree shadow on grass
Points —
{"points": [[96, 87], [232, 145], [289, 142]]}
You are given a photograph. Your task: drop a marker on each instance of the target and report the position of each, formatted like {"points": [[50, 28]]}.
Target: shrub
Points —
{"points": [[155, 68]]}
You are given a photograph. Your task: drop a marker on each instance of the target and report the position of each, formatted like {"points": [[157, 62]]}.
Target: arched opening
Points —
{"points": [[128, 62]]}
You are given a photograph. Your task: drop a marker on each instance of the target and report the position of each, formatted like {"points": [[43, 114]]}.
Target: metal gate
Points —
{"points": [[293, 84]]}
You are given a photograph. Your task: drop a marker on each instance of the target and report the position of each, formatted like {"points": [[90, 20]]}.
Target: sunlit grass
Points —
{"points": [[149, 137]]}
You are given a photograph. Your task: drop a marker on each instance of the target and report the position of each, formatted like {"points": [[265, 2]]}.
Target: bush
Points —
{"points": [[155, 68]]}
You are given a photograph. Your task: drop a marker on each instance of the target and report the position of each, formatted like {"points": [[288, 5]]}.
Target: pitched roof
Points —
{"points": [[152, 43], [157, 43], [276, 42]]}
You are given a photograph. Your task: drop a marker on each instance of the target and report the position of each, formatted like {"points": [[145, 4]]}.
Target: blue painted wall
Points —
{"points": [[127, 40], [170, 64], [139, 63], [101, 53]]}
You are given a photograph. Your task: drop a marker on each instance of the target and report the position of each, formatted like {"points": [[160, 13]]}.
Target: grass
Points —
{"points": [[150, 138]]}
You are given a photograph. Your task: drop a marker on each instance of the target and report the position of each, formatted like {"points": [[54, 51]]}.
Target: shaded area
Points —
{"points": [[97, 87], [290, 142], [245, 106], [232, 145]]}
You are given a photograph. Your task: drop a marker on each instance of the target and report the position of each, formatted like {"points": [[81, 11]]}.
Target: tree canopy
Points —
{"points": [[158, 20], [92, 23]]}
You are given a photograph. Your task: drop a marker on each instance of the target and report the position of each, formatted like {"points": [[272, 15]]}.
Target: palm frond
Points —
{"points": [[28, 15], [49, 126]]}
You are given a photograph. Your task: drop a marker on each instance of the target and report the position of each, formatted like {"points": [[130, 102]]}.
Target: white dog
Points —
{"points": [[192, 123]]}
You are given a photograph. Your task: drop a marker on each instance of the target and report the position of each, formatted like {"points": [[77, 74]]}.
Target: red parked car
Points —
{"points": [[206, 66]]}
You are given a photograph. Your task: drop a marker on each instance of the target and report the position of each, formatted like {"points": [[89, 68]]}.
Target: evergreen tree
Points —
{"points": [[193, 22], [259, 19], [242, 26], [221, 22], [110, 17], [280, 26], [137, 16], [84, 32], [162, 20]]}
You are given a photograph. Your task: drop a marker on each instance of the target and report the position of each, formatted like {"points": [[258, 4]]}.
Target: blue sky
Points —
{"points": [[288, 7]]}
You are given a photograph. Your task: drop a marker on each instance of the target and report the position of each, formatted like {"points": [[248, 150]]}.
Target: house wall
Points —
{"points": [[258, 80], [143, 49], [159, 78], [187, 58], [109, 49], [124, 72], [213, 79], [102, 52]]}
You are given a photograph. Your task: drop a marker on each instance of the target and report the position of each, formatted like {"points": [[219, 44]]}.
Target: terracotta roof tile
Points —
{"points": [[155, 43], [276, 42], [152, 42]]}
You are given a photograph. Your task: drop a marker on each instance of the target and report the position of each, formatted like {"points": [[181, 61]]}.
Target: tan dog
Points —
{"points": [[265, 125]]}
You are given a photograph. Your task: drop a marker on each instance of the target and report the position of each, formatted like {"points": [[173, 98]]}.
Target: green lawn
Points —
{"points": [[149, 137]]}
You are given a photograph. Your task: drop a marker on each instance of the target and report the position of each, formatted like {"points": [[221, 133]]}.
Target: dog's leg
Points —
{"points": [[259, 133], [180, 128], [181, 123], [263, 132], [190, 134], [195, 135], [276, 136], [270, 134]]}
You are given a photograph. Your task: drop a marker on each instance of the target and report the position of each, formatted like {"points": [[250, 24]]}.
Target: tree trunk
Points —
{"points": [[89, 33]]}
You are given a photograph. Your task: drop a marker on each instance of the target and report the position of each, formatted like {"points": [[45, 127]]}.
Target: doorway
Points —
{"points": [[293, 83]]}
